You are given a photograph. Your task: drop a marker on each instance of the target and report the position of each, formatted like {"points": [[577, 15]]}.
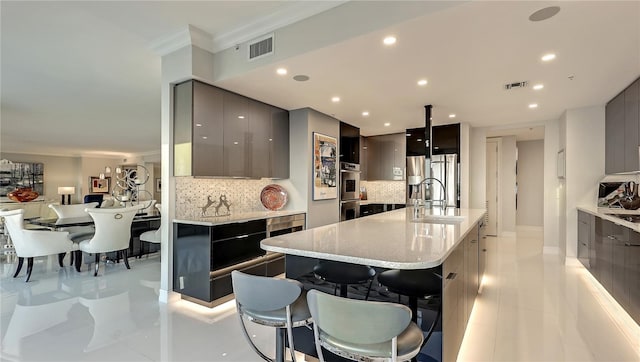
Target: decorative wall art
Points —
{"points": [[98, 185], [14, 175], [325, 150]]}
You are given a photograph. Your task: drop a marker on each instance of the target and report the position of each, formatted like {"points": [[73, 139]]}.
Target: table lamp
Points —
{"points": [[66, 190]]}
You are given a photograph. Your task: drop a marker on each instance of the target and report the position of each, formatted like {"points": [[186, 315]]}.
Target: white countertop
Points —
{"points": [[388, 240], [237, 217], [604, 213]]}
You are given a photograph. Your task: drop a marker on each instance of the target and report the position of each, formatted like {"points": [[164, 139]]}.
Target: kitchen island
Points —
{"points": [[446, 242]]}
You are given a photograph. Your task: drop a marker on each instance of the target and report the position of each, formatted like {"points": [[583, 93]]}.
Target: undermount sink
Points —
{"points": [[439, 219]]}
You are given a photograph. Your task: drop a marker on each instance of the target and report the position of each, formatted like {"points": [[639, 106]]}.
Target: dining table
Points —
{"points": [[141, 223]]}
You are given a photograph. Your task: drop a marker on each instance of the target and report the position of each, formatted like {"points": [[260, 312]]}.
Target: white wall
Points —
{"points": [[303, 122], [477, 168], [465, 164], [507, 174], [584, 165], [530, 178], [552, 187]]}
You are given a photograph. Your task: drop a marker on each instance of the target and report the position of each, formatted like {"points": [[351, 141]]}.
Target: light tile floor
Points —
{"points": [[531, 308]]}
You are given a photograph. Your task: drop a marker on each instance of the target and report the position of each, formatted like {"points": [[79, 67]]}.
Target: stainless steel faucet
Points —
{"points": [[443, 201]]}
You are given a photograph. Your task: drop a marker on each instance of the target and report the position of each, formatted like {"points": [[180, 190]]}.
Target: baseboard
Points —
{"points": [[166, 296], [572, 261], [508, 234], [553, 250]]}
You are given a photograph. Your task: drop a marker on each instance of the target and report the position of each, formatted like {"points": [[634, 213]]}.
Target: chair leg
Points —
{"points": [[61, 259], [71, 254], [280, 338], [29, 269], [125, 258], [366, 297], [95, 273], [19, 266], [78, 260]]}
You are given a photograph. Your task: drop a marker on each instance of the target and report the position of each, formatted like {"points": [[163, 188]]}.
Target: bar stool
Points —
{"points": [[420, 283], [279, 303], [343, 274], [361, 330]]}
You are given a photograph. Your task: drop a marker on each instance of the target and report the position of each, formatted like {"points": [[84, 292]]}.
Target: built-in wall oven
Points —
{"points": [[349, 191]]}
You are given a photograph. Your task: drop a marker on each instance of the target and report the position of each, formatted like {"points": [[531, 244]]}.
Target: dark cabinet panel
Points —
{"points": [[349, 143], [632, 269], [446, 139], [279, 144], [220, 133], [364, 158], [235, 130], [622, 131], [207, 123], [584, 241], [631, 127], [386, 157], [416, 142], [258, 144]]}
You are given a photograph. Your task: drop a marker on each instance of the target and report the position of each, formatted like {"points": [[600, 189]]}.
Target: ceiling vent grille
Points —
{"points": [[261, 47], [516, 85]]}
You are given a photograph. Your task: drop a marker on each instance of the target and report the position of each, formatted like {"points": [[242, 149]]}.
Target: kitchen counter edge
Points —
{"points": [[606, 215], [236, 218]]}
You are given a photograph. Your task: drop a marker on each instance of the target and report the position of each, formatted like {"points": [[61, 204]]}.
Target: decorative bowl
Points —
{"points": [[23, 194], [273, 197]]}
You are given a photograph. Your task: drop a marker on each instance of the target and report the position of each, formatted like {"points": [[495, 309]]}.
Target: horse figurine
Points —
{"points": [[209, 203], [223, 201]]}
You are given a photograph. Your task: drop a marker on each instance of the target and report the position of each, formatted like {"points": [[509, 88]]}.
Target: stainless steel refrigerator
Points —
{"points": [[444, 168]]}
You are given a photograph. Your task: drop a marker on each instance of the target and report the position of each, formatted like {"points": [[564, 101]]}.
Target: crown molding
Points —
{"points": [[293, 13], [171, 43]]}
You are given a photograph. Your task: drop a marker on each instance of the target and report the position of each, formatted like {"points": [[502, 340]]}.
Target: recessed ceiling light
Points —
{"points": [[533, 105], [204, 137], [548, 57], [198, 124], [241, 117], [387, 124], [235, 143], [390, 40], [544, 13], [422, 82], [335, 99], [365, 114], [452, 115], [281, 71], [538, 86]]}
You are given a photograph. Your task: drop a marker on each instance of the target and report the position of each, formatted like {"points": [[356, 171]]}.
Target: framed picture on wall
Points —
{"points": [[99, 185], [325, 178], [158, 184]]}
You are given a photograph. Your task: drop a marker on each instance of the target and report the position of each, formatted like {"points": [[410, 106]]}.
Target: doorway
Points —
{"points": [[492, 188]]}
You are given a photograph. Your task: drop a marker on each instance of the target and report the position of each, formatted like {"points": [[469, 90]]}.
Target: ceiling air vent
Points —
{"points": [[261, 47], [516, 85]]}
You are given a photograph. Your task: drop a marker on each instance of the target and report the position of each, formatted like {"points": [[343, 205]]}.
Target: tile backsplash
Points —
{"points": [[392, 192], [191, 195]]}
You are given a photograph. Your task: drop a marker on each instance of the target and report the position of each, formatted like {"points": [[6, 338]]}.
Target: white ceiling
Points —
{"points": [[80, 78]]}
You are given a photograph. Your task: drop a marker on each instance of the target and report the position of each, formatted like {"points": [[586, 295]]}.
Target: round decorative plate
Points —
{"points": [[273, 197]]}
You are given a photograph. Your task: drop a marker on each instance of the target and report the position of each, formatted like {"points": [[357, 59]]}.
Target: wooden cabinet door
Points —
{"points": [[279, 144], [235, 130], [631, 126], [207, 130]]}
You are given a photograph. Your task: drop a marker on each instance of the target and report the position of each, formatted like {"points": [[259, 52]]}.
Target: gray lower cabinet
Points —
{"points": [[585, 237], [614, 261], [622, 131], [460, 283], [218, 133]]}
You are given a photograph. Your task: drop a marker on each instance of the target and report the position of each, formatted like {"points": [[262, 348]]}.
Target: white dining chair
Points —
{"points": [[152, 236], [70, 211], [113, 233], [34, 243]]}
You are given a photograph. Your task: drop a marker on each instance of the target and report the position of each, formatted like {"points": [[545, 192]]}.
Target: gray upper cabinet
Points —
{"points": [[218, 133], [631, 127], [622, 131], [279, 144], [386, 157]]}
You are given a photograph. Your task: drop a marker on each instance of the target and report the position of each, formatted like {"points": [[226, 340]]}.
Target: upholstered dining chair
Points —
{"points": [[113, 233], [152, 236], [279, 303], [362, 330], [69, 211], [34, 243]]}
